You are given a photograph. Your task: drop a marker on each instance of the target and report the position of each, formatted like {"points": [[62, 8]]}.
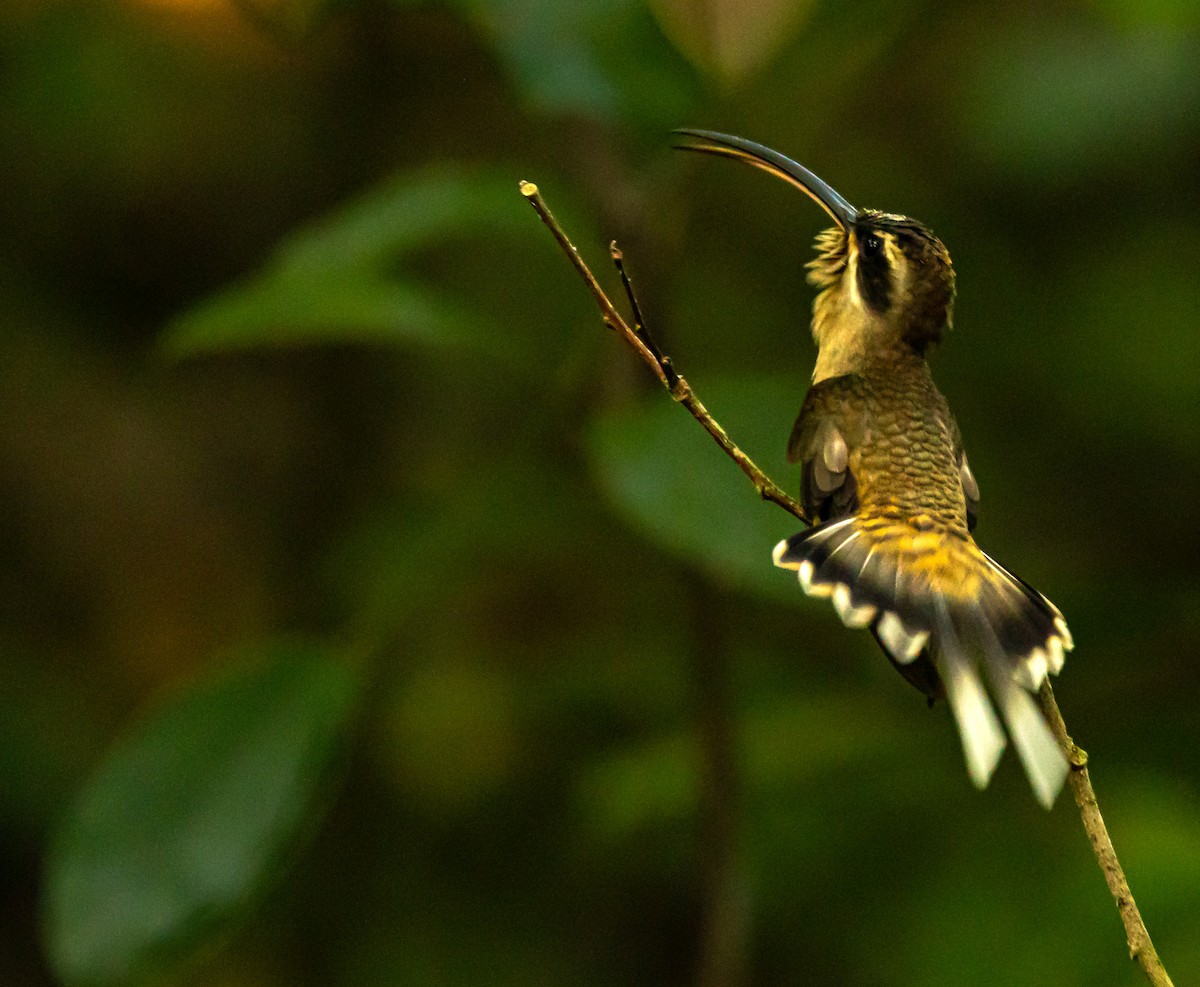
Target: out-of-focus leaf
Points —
{"points": [[547, 46], [1174, 15], [451, 737], [339, 279], [1156, 824], [42, 742], [657, 87], [730, 39], [648, 785], [1057, 105], [403, 214], [190, 816], [329, 307], [1049, 897], [430, 546], [602, 59], [783, 748], [290, 19], [1130, 306], [669, 477]]}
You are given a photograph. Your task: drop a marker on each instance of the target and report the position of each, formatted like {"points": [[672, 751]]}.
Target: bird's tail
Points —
{"points": [[944, 611]]}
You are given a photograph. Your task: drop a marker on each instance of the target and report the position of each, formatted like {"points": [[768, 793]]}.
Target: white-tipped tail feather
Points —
{"points": [[897, 641], [851, 615], [1043, 759], [982, 738], [943, 639]]}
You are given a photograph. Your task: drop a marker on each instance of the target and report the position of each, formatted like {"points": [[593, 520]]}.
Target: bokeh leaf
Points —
{"points": [[407, 212], [285, 310], [191, 815], [1145, 370], [1052, 106], [288, 19], [672, 481], [603, 59], [546, 47], [343, 279], [730, 39], [784, 749]]}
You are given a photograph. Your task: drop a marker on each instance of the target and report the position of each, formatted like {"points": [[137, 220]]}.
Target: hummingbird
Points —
{"points": [[886, 484]]}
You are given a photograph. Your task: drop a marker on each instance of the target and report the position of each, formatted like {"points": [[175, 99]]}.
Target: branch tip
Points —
{"points": [[638, 340]]}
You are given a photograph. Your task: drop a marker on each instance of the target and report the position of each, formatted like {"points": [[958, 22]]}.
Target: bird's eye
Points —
{"points": [[872, 246]]}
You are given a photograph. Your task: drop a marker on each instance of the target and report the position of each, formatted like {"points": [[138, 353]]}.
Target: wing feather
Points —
{"points": [[825, 432], [970, 487]]}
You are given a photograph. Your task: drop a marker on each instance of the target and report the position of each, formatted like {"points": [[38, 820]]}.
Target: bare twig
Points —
{"points": [[670, 377], [678, 388], [1141, 949]]}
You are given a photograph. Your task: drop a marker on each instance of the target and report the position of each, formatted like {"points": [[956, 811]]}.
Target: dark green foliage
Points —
{"points": [[287, 357], [189, 816], [671, 479], [343, 279]]}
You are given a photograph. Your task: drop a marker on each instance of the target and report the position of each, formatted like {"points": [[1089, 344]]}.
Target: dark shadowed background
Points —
{"points": [[367, 614]]}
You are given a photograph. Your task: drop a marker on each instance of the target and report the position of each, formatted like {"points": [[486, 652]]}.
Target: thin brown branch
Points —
{"points": [[675, 384], [1141, 948]]}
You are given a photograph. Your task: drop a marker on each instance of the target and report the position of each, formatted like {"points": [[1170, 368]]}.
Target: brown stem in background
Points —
{"points": [[1141, 949], [725, 918]]}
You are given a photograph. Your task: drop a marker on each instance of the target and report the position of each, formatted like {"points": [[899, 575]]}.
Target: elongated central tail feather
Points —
{"points": [[950, 619]]}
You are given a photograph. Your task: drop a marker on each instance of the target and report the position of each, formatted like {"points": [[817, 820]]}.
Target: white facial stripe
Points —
{"points": [[851, 274]]}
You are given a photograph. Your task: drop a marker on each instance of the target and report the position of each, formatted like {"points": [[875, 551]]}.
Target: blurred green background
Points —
{"points": [[370, 617]]}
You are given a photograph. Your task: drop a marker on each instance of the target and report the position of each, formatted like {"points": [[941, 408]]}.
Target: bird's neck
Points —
{"points": [[857, 346]]}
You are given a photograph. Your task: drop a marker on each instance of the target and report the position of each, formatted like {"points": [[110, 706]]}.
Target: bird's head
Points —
{"points": [[887, 284]]}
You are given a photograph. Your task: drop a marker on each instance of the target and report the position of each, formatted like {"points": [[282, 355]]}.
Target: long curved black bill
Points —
{"points": [[774, 163]]}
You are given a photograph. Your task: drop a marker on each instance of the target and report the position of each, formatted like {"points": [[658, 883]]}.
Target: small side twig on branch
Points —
{"points": [[644, 346], [1141, 948]]}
